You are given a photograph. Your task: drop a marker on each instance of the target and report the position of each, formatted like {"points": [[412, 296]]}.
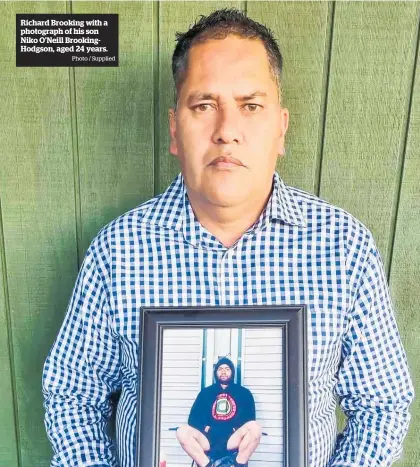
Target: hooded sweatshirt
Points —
{"points": [[224, 410]]}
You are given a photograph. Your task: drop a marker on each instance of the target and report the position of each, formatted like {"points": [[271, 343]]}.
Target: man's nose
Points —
{"points": [[227, 129]]}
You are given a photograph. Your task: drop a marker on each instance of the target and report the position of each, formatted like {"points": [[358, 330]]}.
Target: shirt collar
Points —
{"points": [[284, 204], [172, 210]]}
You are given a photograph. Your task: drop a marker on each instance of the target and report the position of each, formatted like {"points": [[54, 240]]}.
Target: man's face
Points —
{"points": [[228, 129], [224, 373]]}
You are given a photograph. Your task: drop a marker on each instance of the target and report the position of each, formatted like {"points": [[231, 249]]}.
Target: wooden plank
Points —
{"points": [[173, 17], [36, 186], [405, 268], [302, 31], [8, 442], [369, 85], [115, 120]]}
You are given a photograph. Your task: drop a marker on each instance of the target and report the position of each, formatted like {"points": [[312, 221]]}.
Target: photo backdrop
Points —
{"points": [[79, 146], [189, 357]]}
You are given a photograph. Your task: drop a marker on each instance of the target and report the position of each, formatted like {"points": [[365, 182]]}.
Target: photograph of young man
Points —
{"points": [[221, 421]]}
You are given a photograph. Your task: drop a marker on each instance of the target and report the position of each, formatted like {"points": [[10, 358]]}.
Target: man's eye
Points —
{"points": [[202, 107], [252, 108]]}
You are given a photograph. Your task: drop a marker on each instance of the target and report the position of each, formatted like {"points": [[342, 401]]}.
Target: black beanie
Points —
{"points": [[225, 361]]}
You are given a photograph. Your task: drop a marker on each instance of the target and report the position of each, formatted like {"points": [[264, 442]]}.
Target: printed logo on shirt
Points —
{"points": [[224, 407]]}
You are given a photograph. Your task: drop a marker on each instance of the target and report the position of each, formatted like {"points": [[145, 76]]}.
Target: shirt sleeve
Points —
{"points": [[198, 417], [374, 385], [248, 409], [80, 373]]}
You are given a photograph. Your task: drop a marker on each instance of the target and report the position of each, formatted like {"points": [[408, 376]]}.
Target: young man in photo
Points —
{"points": [[221, 422], [230, 232]]}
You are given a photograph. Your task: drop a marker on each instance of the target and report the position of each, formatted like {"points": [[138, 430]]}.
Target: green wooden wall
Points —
{"points": [[80, 146]]}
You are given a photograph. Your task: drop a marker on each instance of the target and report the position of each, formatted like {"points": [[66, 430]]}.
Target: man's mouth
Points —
{"points": [[226, 162]]}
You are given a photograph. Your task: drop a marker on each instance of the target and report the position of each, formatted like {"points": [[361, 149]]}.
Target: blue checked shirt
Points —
{"points": [[301, 250]]}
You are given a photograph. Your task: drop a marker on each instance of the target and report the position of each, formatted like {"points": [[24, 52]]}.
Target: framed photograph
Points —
{"points": [[211, 376]]}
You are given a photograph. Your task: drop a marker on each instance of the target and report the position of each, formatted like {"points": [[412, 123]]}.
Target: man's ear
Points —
{"points": [[284, 124], [173, 147], [284, 121]]}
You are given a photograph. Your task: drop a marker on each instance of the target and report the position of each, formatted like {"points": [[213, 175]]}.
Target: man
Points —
{"points": [[222, 420], [228, 231]]}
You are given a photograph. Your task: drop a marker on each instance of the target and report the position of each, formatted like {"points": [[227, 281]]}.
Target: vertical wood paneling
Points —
{"points": [[113, 116], [114, 108], [371, 69], [173, 17], [182, 350], [8, 442], [405, 268], [302, 30], [36, 183], [262, 370]]}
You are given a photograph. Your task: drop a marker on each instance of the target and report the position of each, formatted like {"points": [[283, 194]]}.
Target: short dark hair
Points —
{"points": [[218, 25]]}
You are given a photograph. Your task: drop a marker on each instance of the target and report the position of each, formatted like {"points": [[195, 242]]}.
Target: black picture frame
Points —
{"points": [[292, 319]]}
